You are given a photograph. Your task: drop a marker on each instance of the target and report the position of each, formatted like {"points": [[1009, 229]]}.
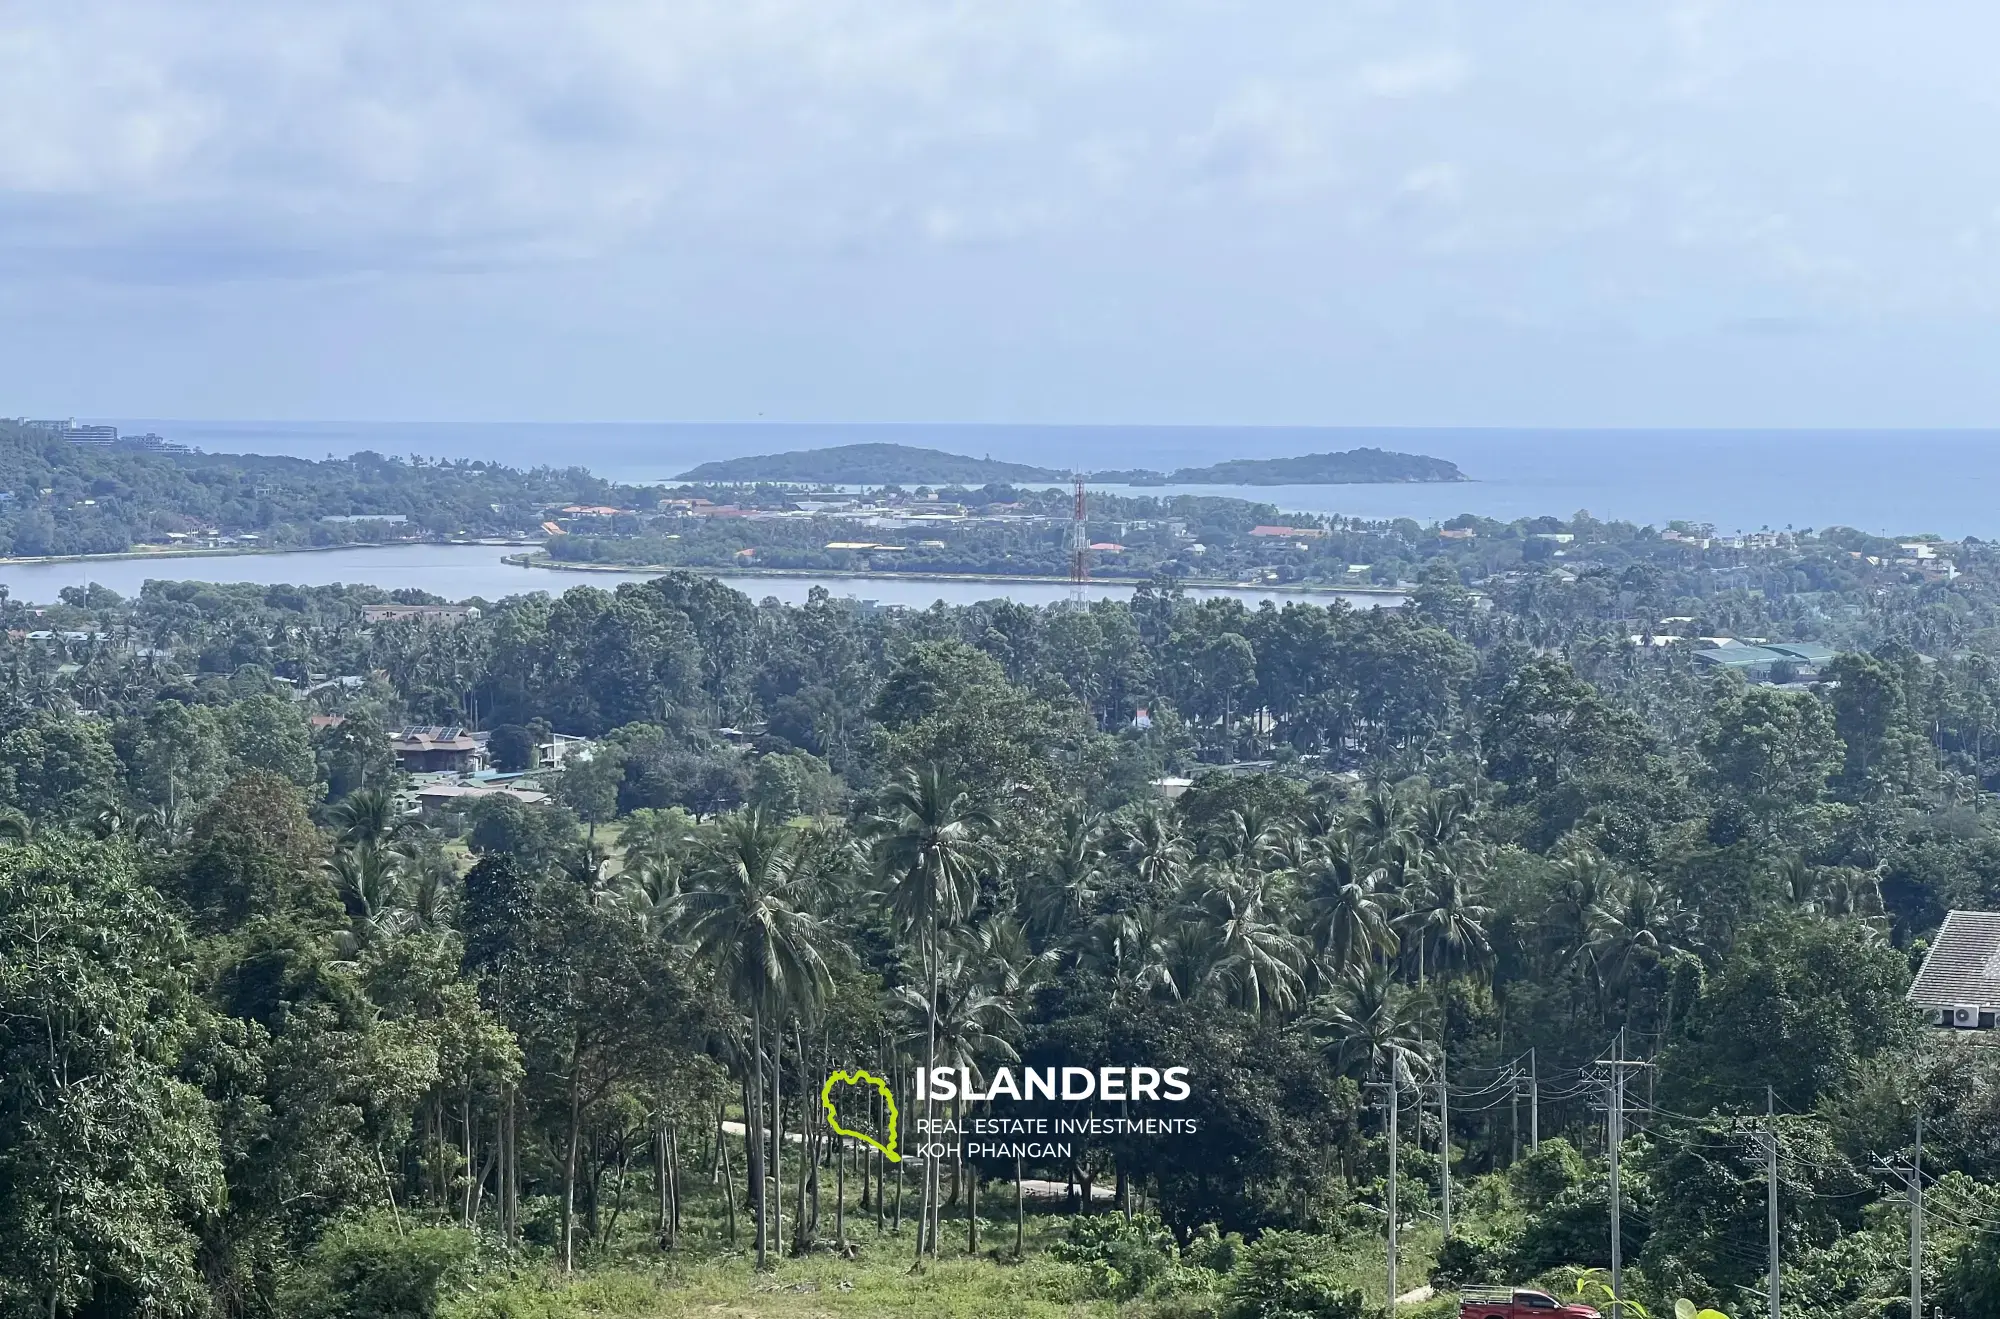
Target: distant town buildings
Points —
{"points": [[74, 433], [442, 615], [1768, 661], [436, 798], [69, 429]]}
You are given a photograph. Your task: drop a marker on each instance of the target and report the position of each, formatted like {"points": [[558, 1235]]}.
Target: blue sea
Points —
{"points": [[1887, 482]]}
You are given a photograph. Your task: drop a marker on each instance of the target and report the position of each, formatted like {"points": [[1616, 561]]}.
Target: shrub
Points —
{"points": [[1288, 1275], [1546, 1173], [1211, 1248], [369, 1269], [1472, 1258], [1124, 1258]]}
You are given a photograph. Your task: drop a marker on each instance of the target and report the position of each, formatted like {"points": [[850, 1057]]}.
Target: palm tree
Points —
{"points": [[590, 867], [365, 817], [1249, 838], [1632, 928], [16, 826], [1065, 885], [745, 914], [1446, 913], [1142, 949], [967, 1024], [929, 842], [1852, 891], [1350, 926], [428, 881], [998, 952], [1582, 876], [650, 877], [370, 883], [1257, 959], [1799, 880], [1153, 848], [1383, 830], [1371, 1023]]}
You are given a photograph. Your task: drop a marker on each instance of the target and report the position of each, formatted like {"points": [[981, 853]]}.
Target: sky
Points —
{"points": [[1331, 212]]}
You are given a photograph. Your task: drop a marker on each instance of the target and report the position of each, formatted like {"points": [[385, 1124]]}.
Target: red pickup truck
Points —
{"points": [[1517, 1303]]}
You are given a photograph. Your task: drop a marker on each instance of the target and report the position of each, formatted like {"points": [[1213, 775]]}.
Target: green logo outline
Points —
{"points": [[858, 1077]]}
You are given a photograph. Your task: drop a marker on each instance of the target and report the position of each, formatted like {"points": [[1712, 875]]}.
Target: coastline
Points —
{"points": [[630, 569], [242, 551]]}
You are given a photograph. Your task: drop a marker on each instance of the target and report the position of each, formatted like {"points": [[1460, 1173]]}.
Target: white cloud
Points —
{"points": [[1430, 74], [1118, 169], [1440, 181]]}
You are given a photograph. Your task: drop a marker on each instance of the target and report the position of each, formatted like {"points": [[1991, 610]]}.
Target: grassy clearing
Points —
{"points": [[710, 1276], [876, 1283]]}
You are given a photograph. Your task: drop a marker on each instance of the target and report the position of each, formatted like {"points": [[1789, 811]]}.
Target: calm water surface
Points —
{"points": [[462, 571]]}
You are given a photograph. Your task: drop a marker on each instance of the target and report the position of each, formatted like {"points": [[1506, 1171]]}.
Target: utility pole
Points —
{"points": [[1514, 1102], [1912, 1177], [1444, 1135], [1534, 1104], [1393, 1081], [1614, 1134], [1917, 1222], [1391, 1085], [1771, 1189]]}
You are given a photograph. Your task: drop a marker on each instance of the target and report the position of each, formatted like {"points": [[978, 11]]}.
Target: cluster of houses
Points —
{"points": [[1767, 663], [449, 767]]}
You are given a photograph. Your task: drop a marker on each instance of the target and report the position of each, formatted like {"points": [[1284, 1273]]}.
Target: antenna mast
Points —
{"points": [[1079, 548]]}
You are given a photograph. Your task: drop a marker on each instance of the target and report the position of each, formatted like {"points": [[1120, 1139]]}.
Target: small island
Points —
{"points": [[903, 464], [869, 464], [1354, 467]]}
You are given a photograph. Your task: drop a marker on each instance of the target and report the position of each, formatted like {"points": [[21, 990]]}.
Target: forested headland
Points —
{"points": [[905, 464], [274, 1043]]}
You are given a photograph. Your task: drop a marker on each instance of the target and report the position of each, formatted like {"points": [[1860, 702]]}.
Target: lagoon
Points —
{"points": [[459, 572]]}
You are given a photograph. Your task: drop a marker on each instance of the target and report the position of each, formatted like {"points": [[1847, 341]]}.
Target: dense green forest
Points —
{"points": [[273, 1045], [63, 498]]}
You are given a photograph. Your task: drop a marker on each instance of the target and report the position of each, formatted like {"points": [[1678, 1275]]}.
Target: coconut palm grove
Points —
{"points": [[1441, 908]]}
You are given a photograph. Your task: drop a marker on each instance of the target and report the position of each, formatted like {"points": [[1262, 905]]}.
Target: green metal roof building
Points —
{"points": [[1756, 663]]}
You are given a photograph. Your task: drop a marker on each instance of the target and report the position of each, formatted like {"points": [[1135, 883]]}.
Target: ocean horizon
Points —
{"points": [[1890, 482]]}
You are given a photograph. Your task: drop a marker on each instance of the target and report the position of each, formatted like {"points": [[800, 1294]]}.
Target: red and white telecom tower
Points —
{"points": [[1079, 548]]}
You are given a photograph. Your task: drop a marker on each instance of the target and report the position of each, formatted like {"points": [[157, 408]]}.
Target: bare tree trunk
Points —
{"points": [[673, 1186], [486, 1169], [618, 1193], [728, 1180], [925, 1223], [1020, 1208], [957, 1164], [465, 1133], [777, 1139], [801, 1226], [754, 1128], [569, 1167], [660, 1191]]}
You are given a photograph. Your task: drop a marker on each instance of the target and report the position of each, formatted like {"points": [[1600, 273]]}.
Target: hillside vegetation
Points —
{"points": [[902, 464]]}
